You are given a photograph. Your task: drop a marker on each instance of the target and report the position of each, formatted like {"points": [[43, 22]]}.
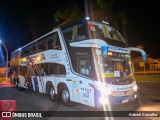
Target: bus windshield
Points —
{"points": [[115, 68], [103, 31]]}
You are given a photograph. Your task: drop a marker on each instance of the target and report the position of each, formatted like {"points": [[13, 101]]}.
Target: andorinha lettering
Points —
{"points": [[118, 49]]}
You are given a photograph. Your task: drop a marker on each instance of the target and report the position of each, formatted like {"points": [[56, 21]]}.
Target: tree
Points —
{"points": [[69, 13], [108, 10], [111, 11]]}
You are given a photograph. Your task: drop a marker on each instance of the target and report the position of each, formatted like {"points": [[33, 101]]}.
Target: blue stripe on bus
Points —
{"points": [[30, 85], [36, 84]]}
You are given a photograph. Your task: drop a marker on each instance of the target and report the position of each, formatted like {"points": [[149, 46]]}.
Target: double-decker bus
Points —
{"points": [[85, 61]]}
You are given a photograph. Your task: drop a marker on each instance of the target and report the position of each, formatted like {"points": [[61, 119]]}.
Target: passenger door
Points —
{"points": [[86, 91]]}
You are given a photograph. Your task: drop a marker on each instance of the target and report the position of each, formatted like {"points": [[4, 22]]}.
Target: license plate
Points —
{"points": [[124, 101]]}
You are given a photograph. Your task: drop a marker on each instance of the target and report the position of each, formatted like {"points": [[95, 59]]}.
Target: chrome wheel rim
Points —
{"points": [[52, 92], [65, 95]]}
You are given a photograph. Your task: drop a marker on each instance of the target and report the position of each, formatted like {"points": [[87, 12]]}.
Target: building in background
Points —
{"points": [[3, 70], [150, 67]]}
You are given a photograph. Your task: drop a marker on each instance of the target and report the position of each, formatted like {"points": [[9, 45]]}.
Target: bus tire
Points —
{"points": [[52, 93], [65, 96]]}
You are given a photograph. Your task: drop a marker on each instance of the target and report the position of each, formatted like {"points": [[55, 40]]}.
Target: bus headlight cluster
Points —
{"points": [[106, 91], [135, 88], [103, 100]]}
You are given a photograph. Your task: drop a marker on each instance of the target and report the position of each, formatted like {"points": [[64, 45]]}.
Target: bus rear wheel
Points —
{"points": [[52, 93]]}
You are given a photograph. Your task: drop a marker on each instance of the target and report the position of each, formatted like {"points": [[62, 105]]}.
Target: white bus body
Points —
{"points": [[71, 62]]}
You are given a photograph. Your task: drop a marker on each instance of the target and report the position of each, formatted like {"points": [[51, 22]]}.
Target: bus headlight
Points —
{"points": [[103, 100], [135, 88]]}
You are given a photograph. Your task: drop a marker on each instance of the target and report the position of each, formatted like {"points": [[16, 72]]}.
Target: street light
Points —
{"points": [[6, 59]]}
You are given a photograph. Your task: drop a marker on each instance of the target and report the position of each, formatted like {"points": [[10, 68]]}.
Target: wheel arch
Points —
{"points": [[60, 88]]}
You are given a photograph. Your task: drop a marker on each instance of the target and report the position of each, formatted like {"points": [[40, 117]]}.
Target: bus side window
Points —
{"points": [[43, 69], [78, 33], [46, 68], [81, 32], [41, 45], [67, 34], [54, 68], [56, 41], [53, 42], [74, 34], [49, 43], [32, 49], [61, 69], [25, 51]]}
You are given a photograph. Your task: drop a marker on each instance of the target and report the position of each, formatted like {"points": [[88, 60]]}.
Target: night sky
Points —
{"points": [[23, 21]]}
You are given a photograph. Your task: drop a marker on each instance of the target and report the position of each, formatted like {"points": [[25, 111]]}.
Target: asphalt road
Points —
{"points": [[149, 100]]}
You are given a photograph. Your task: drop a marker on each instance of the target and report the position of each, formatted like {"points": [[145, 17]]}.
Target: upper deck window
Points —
{"points": [[102, 31], [53, 41], [75, 33]]}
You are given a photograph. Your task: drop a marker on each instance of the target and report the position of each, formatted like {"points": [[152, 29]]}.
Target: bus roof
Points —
{"points": [[55, 29]]}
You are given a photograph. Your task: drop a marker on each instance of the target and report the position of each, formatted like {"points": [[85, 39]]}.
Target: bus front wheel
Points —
{"points": [[65, 96]]}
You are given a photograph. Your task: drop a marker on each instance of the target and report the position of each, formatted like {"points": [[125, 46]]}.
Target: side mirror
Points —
{"points": [[139, 50]]}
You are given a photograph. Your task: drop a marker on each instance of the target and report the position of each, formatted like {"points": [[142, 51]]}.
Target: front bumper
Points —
{"points": [[121, 99]]}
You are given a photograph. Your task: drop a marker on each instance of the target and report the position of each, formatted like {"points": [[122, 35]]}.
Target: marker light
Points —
{"points": [[110, 53], [38, 58], [24, 60], [135, 88]]}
